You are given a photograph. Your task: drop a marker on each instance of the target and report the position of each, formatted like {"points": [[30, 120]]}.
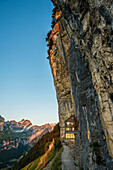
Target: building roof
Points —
{"points": [[70, 118]]}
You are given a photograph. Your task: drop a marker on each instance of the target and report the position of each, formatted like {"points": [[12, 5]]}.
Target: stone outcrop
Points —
{"points": [[81, 59], [1, 126]]}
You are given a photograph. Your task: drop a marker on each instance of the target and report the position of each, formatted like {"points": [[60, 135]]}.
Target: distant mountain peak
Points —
{"points": [[22, 120]]}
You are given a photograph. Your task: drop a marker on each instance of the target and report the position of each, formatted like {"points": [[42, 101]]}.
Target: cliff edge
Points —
{"points": [[81, 59]]}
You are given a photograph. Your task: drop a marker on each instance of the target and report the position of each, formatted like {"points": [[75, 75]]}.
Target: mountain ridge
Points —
{"points": [[19, 136], [39, 148]]}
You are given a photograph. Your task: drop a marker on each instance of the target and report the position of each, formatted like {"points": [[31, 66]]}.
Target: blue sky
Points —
{"points": [[26, 83]]}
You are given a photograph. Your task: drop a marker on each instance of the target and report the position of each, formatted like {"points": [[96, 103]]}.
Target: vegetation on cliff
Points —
{"points": [[9, 157]]}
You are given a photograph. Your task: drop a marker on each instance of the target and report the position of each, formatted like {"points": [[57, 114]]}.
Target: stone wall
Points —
{"points": [[81, 59]]}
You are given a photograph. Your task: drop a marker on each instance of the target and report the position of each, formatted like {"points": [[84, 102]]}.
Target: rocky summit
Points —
{"points": [[81, 58], [24, 132]]}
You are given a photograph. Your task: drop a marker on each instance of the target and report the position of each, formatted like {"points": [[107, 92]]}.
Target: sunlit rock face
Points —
{"points": [[81, 59]]}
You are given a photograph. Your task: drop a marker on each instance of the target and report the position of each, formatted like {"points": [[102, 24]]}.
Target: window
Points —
{"points": [[73, 129], [70, 136], [68, 123], [68, 129]]}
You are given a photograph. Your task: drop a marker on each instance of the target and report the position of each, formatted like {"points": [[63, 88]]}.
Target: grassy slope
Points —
{"points": [[56, 163], [54, 157], [38, 149], [34, 164]]}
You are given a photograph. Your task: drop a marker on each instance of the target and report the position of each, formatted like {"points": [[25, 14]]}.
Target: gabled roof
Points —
{"points": [[70, 118]]}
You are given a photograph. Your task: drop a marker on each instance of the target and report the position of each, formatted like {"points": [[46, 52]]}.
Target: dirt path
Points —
{"points": [[67, 161]]}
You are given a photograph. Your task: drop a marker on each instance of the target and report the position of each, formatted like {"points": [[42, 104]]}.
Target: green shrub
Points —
{"points": [[56, 163], [57, 143], [81, 168], [47, 146]]}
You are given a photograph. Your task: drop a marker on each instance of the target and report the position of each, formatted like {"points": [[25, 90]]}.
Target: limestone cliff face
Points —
{"points": [[81, 59]]}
